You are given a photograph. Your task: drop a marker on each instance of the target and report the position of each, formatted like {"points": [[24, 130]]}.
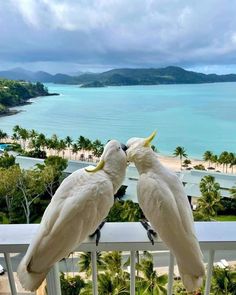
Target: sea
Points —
{"points": [[198, 117]]}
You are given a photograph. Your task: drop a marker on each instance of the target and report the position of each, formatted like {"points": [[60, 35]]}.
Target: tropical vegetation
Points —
{"points": [[181, 153], [13, 93], [210, 201], [225, 160], [24, 195], [114, 278]]}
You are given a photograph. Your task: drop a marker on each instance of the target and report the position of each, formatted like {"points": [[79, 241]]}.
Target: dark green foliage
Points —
{"points": [[57, 162], [151, 282], [35, 154], [228, 206], [209, 204], [71, 285], [125, 211], [199, 167], [13, 93], [6, 160], [223, 281]]}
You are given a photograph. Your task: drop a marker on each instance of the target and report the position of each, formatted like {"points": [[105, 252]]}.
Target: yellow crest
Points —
{"points": [[149, 139], [99, 166]]}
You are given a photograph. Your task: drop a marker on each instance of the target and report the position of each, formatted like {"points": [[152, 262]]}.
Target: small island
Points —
{"points": [[15, 93], [96, 84]]}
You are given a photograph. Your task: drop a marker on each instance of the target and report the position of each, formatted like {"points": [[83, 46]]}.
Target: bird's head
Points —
{"points": [[138, 146], [113, 157]]}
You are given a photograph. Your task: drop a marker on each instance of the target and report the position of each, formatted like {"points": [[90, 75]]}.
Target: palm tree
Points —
{"points": [[207, 156], [42, 141], [75, 149], [232, 161], [131, 212], [24, 135], [210, 201], [72, 285], [15, 137], [53, 142], [33, 134], [113, 266], [3, 135], [110, 285], [113, 262], [180, 152], [16, 129], [223, 281], [97, 148], [150, 283], [68, 141], [223, 159], [85, 262], [214, 159], [62, 147]]}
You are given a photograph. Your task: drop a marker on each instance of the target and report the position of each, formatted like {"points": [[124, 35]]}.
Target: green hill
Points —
{"points": [[14, 93], [168, 75], [120, 77]]}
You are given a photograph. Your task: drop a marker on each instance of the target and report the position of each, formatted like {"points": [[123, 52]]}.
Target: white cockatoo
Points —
{"points": [[164, 203], [77, 208]]}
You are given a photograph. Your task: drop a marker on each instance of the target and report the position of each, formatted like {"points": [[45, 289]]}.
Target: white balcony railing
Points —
{"points": [[213, 236]]}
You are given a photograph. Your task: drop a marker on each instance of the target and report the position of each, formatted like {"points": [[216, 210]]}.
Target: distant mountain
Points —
{"points": [[40, 76], [168, 75], [119, 77]]}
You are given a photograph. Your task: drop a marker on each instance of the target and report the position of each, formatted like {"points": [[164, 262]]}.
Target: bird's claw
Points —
{"points": [[150, 232], [97, 232]]}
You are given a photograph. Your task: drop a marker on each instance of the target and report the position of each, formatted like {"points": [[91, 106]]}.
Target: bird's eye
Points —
{"points": [[118, 148]]}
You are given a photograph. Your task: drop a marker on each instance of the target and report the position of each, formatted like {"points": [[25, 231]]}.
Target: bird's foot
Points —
{"points": [[150, 231], [97, 232]]}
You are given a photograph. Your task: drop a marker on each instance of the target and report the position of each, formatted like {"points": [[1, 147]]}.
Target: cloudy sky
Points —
{"points": [[96, 35]]}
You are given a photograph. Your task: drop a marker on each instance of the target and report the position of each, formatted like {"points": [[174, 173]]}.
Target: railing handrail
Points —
{"points": [[123, 236]]}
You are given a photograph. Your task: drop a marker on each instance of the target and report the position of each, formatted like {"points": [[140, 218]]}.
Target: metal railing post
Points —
{"points": [[94, 272], [171, 274], [10, 274], [209, 272], [132, 272], [53, 281]]}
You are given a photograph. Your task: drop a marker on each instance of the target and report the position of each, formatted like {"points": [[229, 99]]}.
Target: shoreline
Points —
{"points": [[169, 161], [12, 111]]}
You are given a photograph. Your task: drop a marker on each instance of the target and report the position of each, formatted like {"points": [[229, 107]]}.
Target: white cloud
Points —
{"points": [[120, 32]]}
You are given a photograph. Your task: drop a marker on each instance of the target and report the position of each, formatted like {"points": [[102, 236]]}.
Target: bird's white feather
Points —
{"points": [[161, 197], [79, 205]]}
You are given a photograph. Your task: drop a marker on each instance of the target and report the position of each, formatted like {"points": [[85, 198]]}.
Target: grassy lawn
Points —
{"points": [[226, 218]]}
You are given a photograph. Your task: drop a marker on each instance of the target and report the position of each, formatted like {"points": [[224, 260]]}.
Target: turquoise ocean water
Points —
{"points": [[199, 117]]}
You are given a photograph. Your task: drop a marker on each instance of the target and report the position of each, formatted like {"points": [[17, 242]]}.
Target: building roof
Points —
{"points": [[191, 178]]}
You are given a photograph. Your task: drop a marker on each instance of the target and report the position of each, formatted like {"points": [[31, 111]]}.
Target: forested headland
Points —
{"points": [[15, 93]]}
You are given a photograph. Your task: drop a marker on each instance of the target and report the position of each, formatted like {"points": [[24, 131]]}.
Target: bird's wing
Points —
{"points": [[185, 212], [158, 204], [73, 214], [160, 208]]}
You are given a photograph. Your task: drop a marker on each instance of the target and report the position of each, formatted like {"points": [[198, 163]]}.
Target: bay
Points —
{"points": [[198, 117]]}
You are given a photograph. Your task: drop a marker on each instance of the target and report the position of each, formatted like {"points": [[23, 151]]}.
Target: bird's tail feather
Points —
{"points": [[30, 281], [191, 283]]}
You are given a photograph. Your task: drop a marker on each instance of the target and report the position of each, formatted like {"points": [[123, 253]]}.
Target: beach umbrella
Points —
{"points": [[76, 210], [163, 201]]}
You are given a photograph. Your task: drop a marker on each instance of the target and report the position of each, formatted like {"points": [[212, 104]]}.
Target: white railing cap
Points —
{"points": [[123, 236]]}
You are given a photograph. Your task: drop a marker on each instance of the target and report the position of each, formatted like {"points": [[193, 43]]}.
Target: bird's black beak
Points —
{"points": [[124, 147]]}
